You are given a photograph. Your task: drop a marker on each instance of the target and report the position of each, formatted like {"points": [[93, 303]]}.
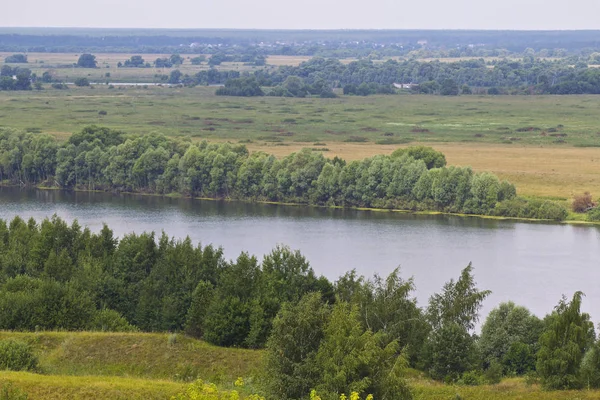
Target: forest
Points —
{"points": [[356, 334], [415, 178], [326, 43]]}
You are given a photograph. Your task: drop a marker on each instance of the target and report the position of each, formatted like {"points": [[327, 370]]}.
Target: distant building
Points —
{"points": [[405, 85]]}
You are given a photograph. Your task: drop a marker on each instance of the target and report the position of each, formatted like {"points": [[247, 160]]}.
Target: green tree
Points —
{"points": [[87, 61], [563, 344], [509, 336], [16, 59], [450, 348], [352, 359], [81, 82], [291, 370]]}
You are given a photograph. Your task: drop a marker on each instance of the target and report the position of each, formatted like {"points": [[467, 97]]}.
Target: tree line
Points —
{"points": [[364, 77], [356, 334], [326, 43], [415, 178]]}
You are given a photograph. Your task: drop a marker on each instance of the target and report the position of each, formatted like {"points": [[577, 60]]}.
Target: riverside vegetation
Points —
{"points": [[355, 335], [415, 178]]}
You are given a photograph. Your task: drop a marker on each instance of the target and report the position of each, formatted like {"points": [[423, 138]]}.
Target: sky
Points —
{"points": [[305, 14]]}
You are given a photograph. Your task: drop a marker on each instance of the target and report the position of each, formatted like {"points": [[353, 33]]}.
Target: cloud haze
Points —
{"points": [[306, 14]]}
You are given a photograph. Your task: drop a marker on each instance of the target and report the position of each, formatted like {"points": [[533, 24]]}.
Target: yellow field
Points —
{"points": [[536, 171]]}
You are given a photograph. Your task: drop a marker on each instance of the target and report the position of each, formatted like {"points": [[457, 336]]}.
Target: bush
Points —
{"points": [[17, 356], [537, 209], [582, 203], [111, 321], [594, 214], [493, 375], [471, 378], [81, 82]]}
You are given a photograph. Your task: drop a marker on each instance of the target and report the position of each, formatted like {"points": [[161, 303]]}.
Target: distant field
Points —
{"points": [[534, 141], [60, 65]]}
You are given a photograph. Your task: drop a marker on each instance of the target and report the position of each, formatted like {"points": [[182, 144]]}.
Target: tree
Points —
{"points": [[509, 336], [386, 307], [175, 77], [449, 87], [567, 336], [458, 303], [176, 59], [291, 370], [81, 82], [450, 348], [136, 62], [240, 87], [198, 60], [449, 352], [87, 61], [431, 157], [352, 359], [16, 59], [163, 63]]}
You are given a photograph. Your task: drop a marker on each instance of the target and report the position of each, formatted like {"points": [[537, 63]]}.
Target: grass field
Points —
{"points": [[83, 365], [547, 145], [60, 65]]}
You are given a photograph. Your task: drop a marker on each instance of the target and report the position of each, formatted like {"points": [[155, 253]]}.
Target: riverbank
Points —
{"points": [[287, 204]]}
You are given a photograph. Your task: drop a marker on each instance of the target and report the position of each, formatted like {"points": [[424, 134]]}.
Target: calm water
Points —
{"points": [[530, 263]]}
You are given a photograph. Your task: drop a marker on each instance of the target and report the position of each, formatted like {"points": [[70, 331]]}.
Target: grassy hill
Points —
{"points": [[84, 365]]}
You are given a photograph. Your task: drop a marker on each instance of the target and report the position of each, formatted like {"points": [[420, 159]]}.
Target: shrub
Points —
{"points": [[493, 375], [111, 321], [594, 214], [582, 202], [81, 82], [17, 356], [471, 378]]}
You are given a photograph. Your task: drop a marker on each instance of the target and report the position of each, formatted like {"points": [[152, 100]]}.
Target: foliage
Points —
{"points": [[563, 344], [291, 370], [17, 356], [590, 368], [17, 78], [351, 359], [450, 348], [509, 337], [431, 157], [111, 321], [386, 307], [81, 82], [16, 58], [459, 302], [87, 60], [593, 214], [240, 87], [103, 159]]}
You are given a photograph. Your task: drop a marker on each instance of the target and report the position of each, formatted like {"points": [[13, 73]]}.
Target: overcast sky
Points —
{"points": [[305, 14]]}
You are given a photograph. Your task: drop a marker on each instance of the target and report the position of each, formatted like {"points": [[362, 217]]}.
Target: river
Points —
{"points": [[532, 264]]}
